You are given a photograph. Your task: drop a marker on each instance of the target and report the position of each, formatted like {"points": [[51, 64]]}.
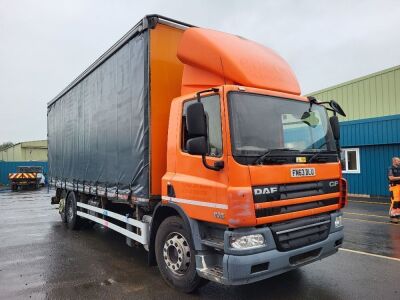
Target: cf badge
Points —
{"points": [[333, 183]]}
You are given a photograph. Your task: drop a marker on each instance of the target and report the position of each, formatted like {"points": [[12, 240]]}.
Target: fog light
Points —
{"points": [[247, 241], [338, 222]]}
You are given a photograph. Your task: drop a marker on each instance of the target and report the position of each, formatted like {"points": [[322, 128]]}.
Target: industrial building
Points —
{"points": [[31, 153], [370, 134], [26, 151]]}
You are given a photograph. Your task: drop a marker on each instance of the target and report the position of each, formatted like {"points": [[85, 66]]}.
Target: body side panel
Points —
{"points": [[165, 84]]}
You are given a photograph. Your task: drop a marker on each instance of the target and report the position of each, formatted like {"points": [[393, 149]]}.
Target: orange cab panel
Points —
{"points": [[199, 191]]}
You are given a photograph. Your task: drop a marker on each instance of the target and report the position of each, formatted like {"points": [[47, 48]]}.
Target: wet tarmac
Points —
{"points": [[40, 258]]}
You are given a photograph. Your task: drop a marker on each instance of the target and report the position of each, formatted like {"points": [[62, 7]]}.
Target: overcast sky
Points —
{"points": [[45, 44]]}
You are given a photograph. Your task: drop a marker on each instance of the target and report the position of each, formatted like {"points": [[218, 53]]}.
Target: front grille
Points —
{"points": [[301, 232], [269, 193], [267, 212], [275, 203]]}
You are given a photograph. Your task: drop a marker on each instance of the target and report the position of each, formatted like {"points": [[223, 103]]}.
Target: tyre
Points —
{"points": [[175, 255], [14, 187], [61, 210], [74, 222]]}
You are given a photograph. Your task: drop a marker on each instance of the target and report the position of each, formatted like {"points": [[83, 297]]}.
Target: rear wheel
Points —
{"points": [[73, 220], [14, 187], [175, 255]]}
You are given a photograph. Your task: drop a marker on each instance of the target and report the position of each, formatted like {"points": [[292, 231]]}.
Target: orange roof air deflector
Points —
{"points": [[213, 58]]}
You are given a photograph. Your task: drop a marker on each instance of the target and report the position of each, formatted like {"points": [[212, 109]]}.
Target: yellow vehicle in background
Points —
{"points": [[26, 176]]}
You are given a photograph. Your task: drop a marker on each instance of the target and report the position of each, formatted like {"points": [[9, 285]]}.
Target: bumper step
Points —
{"points": [[214, 273], [214, 243]]}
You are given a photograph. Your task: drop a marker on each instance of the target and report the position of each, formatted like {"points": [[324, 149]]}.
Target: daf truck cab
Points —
{"points": [[263, 165]]}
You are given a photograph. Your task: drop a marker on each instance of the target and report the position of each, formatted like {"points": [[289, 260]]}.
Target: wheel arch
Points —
{"points": [[163, 211]]}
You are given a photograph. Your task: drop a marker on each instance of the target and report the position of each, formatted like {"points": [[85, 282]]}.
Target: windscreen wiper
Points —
{"points": [[316, 155], [319, 151], [261, 158]]}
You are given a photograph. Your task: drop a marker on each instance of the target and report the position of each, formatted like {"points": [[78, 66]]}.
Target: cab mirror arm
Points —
{"points": [[198, 146]]}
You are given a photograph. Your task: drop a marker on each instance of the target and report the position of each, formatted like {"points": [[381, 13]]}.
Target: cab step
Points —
{"points": [[214, 273], [214, 243]]}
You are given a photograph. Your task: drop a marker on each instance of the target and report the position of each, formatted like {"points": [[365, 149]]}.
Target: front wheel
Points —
{"points": [[175, 255]]}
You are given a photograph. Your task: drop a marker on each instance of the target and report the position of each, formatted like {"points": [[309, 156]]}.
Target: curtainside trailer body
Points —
{"points": [[101, 127]]}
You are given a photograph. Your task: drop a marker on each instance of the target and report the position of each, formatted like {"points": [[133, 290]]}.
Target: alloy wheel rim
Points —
{"points": [[176, 253]]}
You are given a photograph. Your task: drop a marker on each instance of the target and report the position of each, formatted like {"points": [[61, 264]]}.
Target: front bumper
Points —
{"points": [[242, 269]]}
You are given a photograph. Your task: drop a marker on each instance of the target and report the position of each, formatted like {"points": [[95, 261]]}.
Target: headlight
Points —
{"points": [[247, 241], [338, 222]]}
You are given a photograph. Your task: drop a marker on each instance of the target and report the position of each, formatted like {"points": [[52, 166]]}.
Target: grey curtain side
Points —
{"points": [[98, 131]]}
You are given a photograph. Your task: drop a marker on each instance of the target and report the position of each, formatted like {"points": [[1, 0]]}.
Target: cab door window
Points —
{"points": [[212, 110]]}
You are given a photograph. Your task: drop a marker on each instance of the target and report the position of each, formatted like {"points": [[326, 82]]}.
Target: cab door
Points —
{"points": [[201, 192]]}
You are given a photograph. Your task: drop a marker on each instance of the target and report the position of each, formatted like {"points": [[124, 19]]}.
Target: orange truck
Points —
{"points": [[198, 145]]}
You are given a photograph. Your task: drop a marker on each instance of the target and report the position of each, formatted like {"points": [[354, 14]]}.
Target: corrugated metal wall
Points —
{"points": [[374, 163], [372, 131], [378, 140], [374, 95], [11, 166]]}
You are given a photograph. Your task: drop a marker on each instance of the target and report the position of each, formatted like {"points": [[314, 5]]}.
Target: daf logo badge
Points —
{"points": [[266, 190]]}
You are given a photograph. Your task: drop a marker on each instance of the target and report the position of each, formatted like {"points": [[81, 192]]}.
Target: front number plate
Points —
{"points": [[302, 172]]}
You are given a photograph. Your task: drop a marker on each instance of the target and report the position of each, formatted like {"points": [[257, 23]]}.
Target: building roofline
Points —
{"points": [[34, 141], [13, 145], [354, 80], [371, 120], [20, 143]]}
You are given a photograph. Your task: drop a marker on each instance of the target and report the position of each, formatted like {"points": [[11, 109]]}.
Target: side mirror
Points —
{"points": [[197, 130], [337, 108], [334, 121], [197, 145], [196, 120]]}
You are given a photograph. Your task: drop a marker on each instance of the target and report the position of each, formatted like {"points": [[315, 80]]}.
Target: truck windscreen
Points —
{"points": [[261, 123]]}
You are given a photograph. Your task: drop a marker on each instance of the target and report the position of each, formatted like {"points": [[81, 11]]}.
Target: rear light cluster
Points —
{"points": [[343, 192]]}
